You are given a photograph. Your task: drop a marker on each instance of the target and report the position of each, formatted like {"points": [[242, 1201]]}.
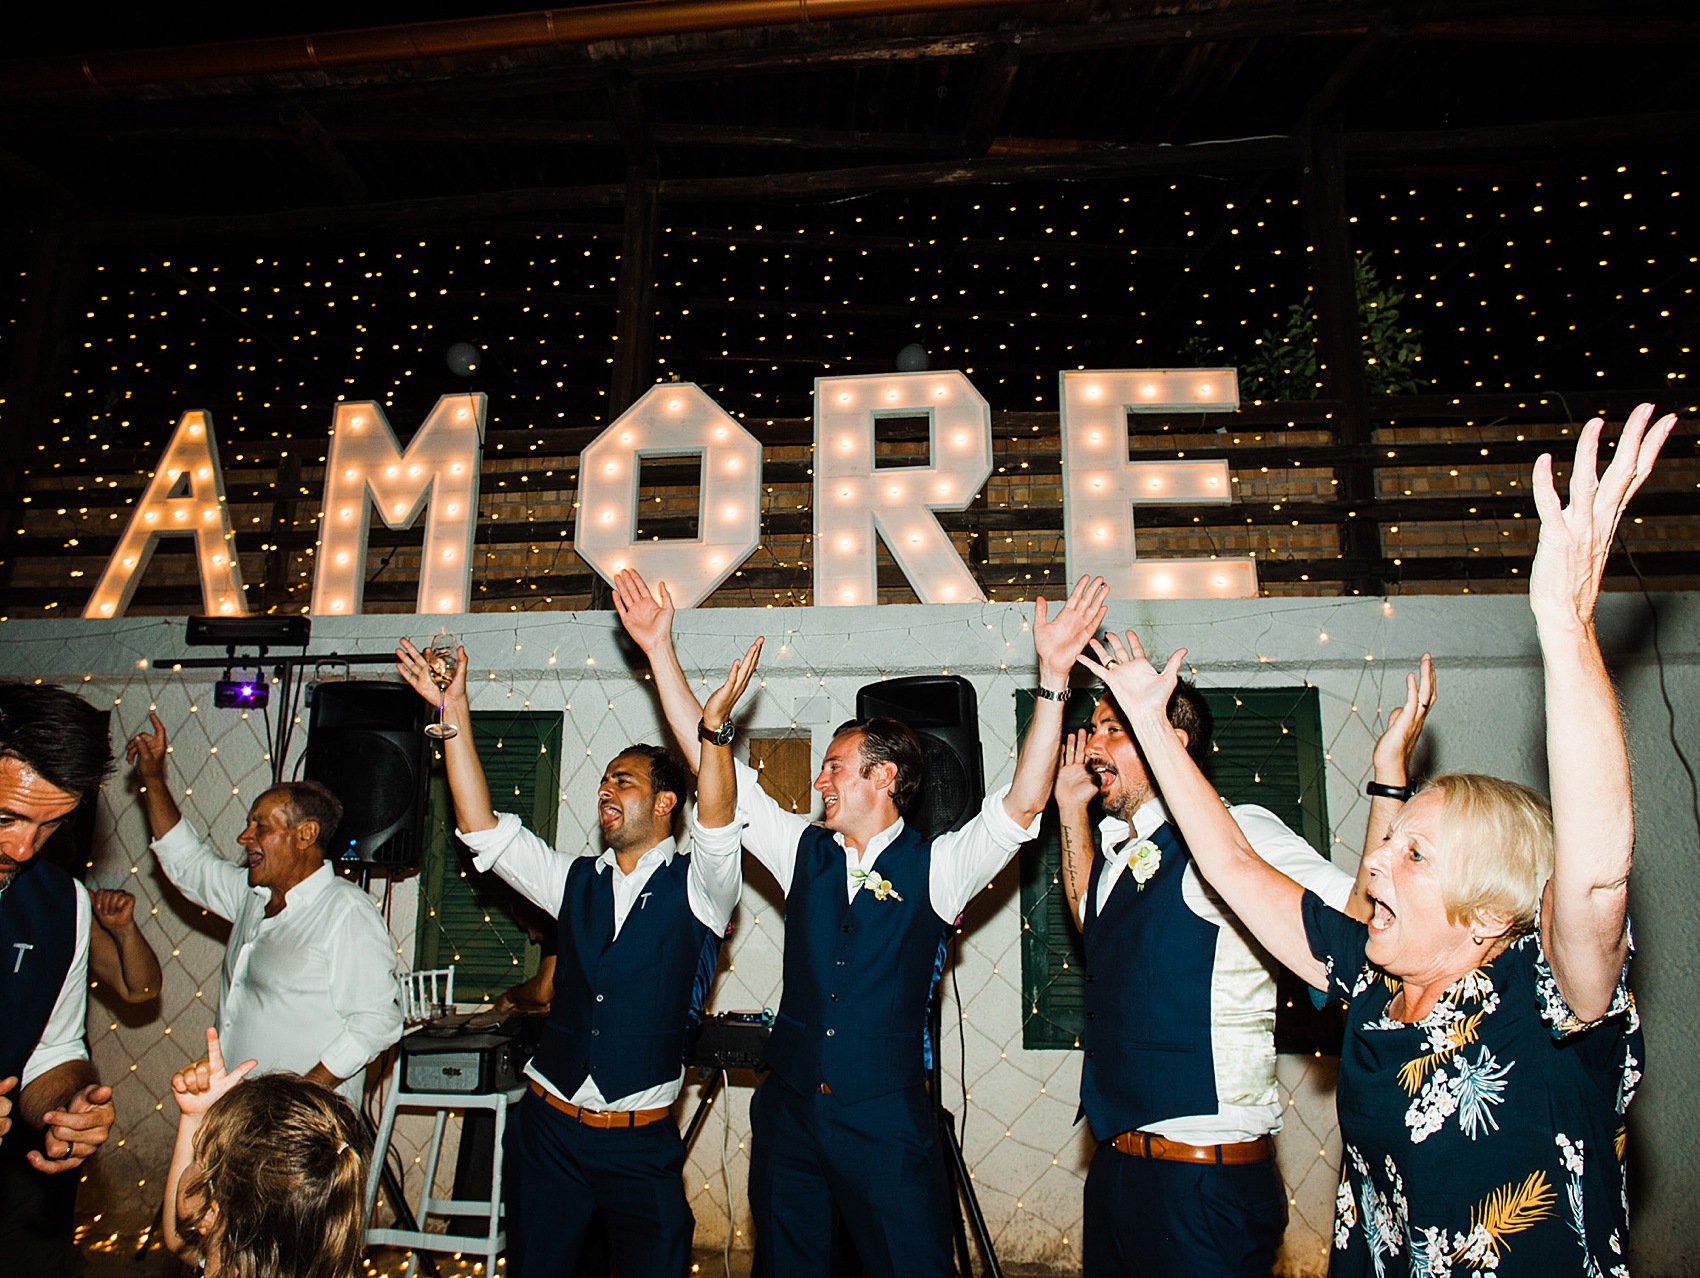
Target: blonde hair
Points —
{"points": [[283, 1161], [1496, 837]]}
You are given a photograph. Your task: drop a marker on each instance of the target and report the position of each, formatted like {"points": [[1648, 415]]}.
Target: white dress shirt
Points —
{"points": [[963, 861], [1242, 988], [539, 873], [315, 984], [63, 1038]]}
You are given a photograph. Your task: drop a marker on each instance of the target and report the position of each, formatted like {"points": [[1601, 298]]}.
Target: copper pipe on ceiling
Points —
{"points": [[454, 37]]}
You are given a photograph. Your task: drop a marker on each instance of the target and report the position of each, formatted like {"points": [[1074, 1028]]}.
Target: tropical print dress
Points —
{"points": [[1487, 1138]]}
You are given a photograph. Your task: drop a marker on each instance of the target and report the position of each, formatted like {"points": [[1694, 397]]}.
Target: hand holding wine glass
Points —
{"points": [[434, 669]]}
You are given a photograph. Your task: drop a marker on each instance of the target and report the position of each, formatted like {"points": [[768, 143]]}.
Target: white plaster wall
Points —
{"points": [[1028, 1157]]}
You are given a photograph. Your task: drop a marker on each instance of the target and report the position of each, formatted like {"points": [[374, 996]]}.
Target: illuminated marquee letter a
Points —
{"points": [[190, 462], [440, 467]]}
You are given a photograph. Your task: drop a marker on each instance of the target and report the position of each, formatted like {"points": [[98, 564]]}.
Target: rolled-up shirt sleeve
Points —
{"points": [[522, 860], [63, 1038], [716, 875], [200, 873], [770, 832], [966, 860], [365, 991]]}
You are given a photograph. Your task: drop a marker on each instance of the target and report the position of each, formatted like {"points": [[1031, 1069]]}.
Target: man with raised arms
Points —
{"points": [[640, 925], [843, 1131]]}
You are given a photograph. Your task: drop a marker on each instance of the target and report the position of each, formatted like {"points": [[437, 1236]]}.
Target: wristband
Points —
{"points": [[1048, 695], [721, 736], [1376, 790]]}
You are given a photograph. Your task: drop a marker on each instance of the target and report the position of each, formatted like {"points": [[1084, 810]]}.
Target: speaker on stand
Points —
{"points": [[366, 743], [943, 712]]}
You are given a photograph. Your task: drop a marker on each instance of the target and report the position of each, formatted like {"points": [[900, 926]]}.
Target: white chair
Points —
{"points": [[425, 995]]}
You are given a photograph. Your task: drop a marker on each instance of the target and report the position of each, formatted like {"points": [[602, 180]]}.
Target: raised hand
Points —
{"points": [[1398, 741], [1075, 786], [1570, 557], [648, 619], [718, 708], [1131, 678], [197, 1086], [1058, 641], [410, 663], [74, 1132], [6, 1087], [147, 751], [113, 908]]}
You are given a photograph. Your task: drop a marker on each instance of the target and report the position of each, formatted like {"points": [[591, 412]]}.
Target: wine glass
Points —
{"points": [[441, 660]]}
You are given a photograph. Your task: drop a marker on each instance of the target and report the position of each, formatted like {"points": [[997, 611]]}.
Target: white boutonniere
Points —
{"points": [[1143, 863], [869, 881]]}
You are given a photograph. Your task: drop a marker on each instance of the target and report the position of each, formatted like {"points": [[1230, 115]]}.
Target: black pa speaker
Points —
{"points": [[945, 715], [366, 742]]}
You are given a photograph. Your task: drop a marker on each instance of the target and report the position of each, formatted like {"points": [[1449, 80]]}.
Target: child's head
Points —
{"points": [[278, 1182]]}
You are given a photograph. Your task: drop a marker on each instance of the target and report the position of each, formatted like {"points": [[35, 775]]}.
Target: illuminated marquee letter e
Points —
{"points": [[1101, 487]]}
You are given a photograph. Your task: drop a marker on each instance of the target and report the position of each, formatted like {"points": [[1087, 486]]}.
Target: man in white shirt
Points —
{"points": [[54, 1111], [309, 979], [640, 925], [843, 1132], [1178, 1075]]}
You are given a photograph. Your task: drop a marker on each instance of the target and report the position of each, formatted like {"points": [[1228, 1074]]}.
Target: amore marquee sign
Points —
{"points": [[855, 502]]}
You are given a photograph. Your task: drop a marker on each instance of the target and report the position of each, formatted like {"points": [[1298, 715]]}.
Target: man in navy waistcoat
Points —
{"points": [[640, 926], [843, 1135], [54, 1111], [1178, 1072]]}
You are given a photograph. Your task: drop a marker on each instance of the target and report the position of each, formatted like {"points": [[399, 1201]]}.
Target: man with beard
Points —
{"points": [[309, 978], [843, 1134], [1178, 1072], [54, 1112], [640, 926]]}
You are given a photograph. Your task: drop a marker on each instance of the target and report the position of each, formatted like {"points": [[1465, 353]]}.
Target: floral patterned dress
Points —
{"points": [[1486, 1138]]}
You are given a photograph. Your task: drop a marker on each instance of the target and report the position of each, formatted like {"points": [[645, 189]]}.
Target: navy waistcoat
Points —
{"points": [[858, 974], [624, 1005], [38, 940], [1149, 963]]}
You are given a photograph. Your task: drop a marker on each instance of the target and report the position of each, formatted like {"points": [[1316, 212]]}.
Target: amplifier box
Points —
{"points": [[459, 1062]]}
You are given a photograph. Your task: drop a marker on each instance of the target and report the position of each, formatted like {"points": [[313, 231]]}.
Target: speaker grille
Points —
{"points": [[947, 792], [387, 788]]}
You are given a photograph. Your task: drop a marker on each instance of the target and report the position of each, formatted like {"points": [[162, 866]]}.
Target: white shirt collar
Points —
{"points": [[1114, 833], [879, 843], [661, 854], [313, 885]]}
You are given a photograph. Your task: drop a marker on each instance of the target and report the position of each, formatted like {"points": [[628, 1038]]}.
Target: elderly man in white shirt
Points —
{"points": [[309, 980]]}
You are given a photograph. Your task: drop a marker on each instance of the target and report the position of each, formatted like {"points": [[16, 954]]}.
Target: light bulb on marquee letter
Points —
{"points": [[191, 459], [672, 420], [439, 469], [1101, 487], [854, 500]]}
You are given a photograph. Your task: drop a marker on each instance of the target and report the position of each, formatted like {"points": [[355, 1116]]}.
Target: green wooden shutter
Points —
{"points": [[464, 916], [1268, 751]]}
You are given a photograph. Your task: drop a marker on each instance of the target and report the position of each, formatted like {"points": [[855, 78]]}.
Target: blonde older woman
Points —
{"points": [[1492, 1043]]}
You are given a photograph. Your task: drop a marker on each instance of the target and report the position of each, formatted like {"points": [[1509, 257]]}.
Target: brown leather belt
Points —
{"points": [[600, 1117], [824, 1090], [1145, 1145]]}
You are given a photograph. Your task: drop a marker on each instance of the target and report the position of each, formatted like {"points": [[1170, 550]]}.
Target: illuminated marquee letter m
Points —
{"points": [[439, 469]]}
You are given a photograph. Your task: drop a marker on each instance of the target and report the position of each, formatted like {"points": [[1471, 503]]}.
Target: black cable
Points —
{"points": [[1664, 689], [961, 1041]]}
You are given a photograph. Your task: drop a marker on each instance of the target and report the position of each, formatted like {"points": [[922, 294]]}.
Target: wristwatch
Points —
{"points": [[721, 736], [1048, 695], [1380, 790]]}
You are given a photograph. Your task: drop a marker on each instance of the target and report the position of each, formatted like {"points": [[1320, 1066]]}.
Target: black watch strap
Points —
{"points": [[721, 736], [1377, 790]]}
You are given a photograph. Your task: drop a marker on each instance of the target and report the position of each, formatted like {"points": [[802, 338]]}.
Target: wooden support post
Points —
{"points": [[1340, 355]]}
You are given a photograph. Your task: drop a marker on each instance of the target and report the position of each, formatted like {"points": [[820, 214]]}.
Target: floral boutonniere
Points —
{"points": [[1143, 863], [875, 883]]}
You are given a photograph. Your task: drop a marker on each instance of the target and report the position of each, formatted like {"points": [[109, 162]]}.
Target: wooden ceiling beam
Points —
{"points": [[309, 136]]}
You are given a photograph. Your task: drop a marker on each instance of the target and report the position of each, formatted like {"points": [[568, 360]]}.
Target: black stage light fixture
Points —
{"points": [[249, 632], [242, 694]]}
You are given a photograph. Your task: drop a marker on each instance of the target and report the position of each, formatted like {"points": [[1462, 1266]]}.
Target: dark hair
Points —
{"points": [[887, 740], [310, 801], [284, 1160], [57, 735], [667, 775], [1188, 711]]}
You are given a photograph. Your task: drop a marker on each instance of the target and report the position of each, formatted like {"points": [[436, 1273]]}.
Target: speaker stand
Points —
{"points": [[963, 1196]]}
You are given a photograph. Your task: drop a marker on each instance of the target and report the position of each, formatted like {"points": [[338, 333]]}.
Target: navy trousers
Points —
{"points": [[1149, 1218], [872, 1173], [567, 1172]]}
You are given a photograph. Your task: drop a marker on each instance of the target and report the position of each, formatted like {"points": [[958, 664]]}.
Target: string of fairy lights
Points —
{"points": [[1510, 284]]}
